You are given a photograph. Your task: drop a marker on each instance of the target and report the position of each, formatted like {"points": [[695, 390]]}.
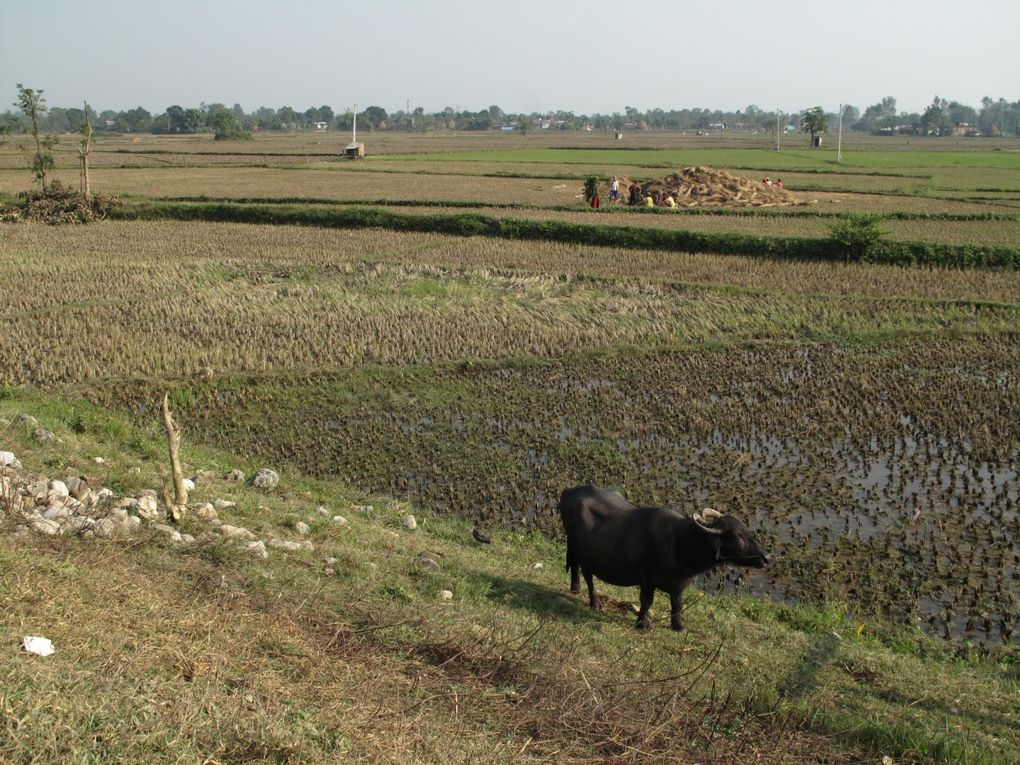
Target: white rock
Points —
{"points": [[258, 549], [41, 434], [302, 528], [340, 520], [292, 545], [362, 508], [40, 646], [57, 513], [234, 475], [188, 539], [134, 470], [170, 531], [205, 511], [223, 504], [99, 460], [538, 565], [445, 595], [265, 478], [235, 532], [331, 561], [328, 571], [106, 528], [7, 459], [189, 485], [26, 419], [104, 494], [409, 522], [147, 505], [322, 510], [44, 526], [57, 489]]}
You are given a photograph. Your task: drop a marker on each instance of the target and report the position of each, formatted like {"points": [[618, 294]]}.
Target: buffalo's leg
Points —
{"points": [[676, 607], [593, 598], [573, 568], [676, 604], [647, 596]]}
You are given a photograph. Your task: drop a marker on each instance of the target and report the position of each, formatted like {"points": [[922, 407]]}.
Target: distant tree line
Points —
{"points": [[941, 117]]}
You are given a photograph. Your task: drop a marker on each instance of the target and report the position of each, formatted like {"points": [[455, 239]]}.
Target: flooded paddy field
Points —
{"points": [[883, 476]]}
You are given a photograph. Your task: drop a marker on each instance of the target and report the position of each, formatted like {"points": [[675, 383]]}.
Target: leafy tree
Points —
{"points": [[136, 120], [524, 124], [814, 121], [374, 117], [33, 106], [935, 120]]}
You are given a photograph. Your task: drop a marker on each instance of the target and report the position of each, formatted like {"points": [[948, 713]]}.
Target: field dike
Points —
{"points": [[208, 647], [469, 224]]}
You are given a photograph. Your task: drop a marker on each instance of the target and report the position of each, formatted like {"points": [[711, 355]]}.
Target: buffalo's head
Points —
{"points": [[734, 543]]}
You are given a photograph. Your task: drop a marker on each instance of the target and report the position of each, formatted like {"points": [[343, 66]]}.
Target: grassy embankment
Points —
{"points": [[165, 653]]}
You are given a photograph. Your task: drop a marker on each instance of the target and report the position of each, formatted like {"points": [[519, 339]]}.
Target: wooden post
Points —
{"points": [[173, 439]]}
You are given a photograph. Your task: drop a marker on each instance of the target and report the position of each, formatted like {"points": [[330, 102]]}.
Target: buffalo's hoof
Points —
{"points": [[677, 626], [575, 590], [643, 624]]}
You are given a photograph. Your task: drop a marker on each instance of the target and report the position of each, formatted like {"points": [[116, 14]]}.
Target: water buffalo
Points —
{"points": [[654, 548]]}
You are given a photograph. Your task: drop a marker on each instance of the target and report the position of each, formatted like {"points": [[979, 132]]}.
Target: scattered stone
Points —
{"points": [[57, 489], [445, 595], [26, 419], [170, 531], [258, 549], [205, 511], [189, 485], [223, 504], [56, 513], [322, 510], [234, 475], [41, 434], [77, 486], [147, 507], [44, 526], [328, 572], [339, 520], [99, 460], [134, 470], [538, 565], [7, 459], [362, 508], [331, 561], [39, 646], [265, 478], [302, 528], [409, 522], [236, 532], [427, 561], [293, 545]]}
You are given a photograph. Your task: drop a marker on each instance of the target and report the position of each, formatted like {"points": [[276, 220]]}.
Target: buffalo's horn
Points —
{"points": [[709, 514], [700, 520]]}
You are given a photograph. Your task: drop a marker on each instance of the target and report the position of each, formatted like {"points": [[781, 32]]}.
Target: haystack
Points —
{"points": [[702, 186]]}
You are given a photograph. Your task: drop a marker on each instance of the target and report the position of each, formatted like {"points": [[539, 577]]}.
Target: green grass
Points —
{"points": [[166, 654]]}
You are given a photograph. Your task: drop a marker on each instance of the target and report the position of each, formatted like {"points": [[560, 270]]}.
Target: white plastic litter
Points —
{"points": [[40, 646]]}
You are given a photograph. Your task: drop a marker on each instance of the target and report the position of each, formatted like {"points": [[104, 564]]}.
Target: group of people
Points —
{"points": [[635, 197], [766, 181]]}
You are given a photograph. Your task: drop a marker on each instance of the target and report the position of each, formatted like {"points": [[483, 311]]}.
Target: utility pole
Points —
{"points": [[777, 128], [839, 139], [354, 128]]}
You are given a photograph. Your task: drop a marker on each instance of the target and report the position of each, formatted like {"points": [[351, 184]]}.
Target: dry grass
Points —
{"points": [[165, 300]]}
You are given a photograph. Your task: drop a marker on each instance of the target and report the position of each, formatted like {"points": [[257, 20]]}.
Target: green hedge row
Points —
{"points": [[632, 237], [745, 212]]}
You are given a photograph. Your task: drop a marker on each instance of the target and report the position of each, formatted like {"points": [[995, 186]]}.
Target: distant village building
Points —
{"points": [[321, 125]]}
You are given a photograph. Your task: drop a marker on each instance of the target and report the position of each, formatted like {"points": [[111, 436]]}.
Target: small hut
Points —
{"points": [[354, 150]]}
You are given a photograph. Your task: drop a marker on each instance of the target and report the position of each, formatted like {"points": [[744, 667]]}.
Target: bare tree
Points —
{"points": [[179, 505], [83, 152]]}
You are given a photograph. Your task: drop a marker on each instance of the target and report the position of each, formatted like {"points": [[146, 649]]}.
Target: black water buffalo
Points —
{"points": [[654, 548]]}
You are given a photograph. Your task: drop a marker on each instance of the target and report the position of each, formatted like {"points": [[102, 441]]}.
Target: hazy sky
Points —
{"points": [[523, 55]]}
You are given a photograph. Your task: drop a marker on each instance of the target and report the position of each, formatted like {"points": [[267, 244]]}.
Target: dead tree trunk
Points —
{"points": [[83, 153], [173, 439]]}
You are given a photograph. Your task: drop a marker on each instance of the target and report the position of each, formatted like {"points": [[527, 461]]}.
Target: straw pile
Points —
{"points": [[702, 186]]}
